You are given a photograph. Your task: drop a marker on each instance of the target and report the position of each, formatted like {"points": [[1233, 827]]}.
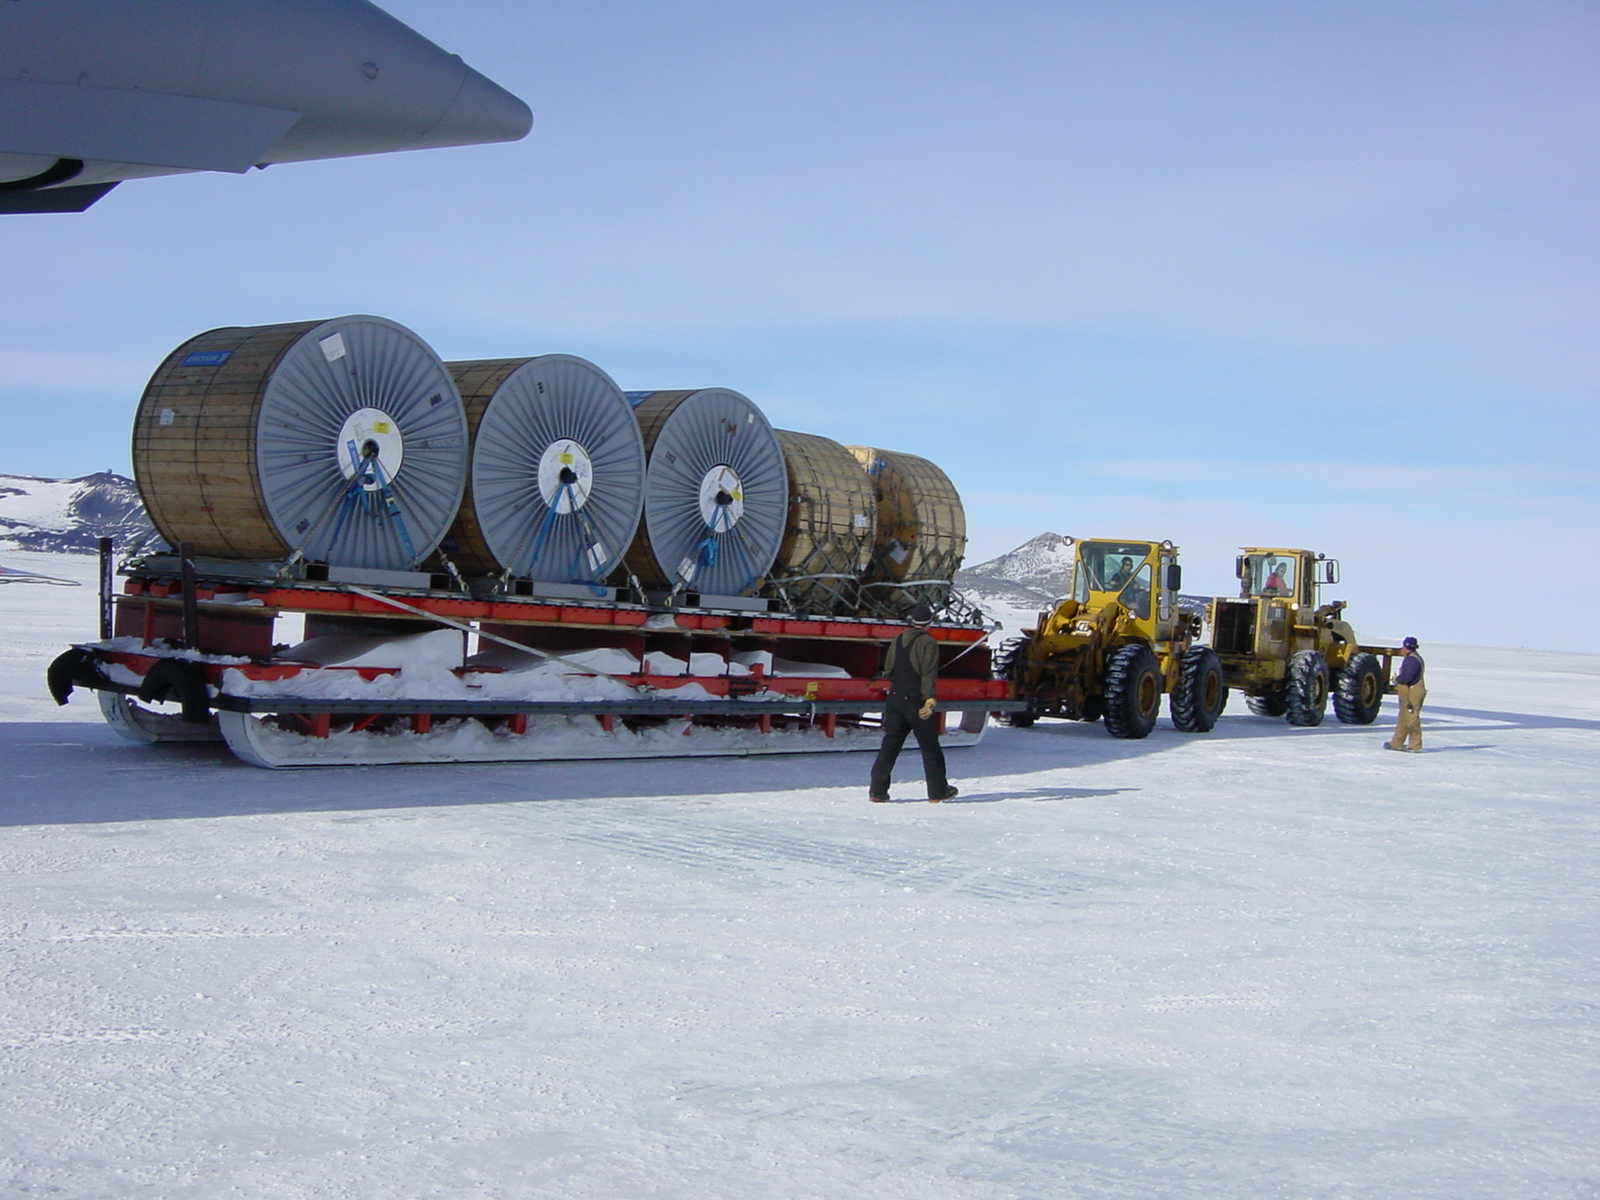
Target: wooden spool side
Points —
{"points": [[194, 441], [652, 415], [922, 527], [477, 381], [832, 520]]}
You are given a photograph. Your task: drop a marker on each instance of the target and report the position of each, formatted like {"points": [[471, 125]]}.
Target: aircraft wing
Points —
{"points": [[192, 133], [94, 92]]}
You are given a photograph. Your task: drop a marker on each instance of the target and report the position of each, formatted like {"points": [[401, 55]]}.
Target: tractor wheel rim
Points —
{"points": [[1149, 695]]}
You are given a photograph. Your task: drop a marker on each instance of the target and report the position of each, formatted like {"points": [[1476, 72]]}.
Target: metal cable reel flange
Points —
{"points": [[339, 441], [558, 470], [716, 492], [921, 535], [828, 540]]}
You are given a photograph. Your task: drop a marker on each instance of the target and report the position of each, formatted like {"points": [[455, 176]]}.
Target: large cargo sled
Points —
{"points": [[391, 669]]}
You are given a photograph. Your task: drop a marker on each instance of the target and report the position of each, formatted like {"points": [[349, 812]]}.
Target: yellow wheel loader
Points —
{"points": [[1111, 649], [1288, 652]]}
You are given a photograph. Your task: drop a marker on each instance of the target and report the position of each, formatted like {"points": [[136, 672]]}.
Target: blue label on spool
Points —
{"points": [[207, 358]]}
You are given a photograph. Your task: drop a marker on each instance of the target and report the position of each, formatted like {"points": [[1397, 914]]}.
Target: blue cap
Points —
{"points": [[1410, 643]]}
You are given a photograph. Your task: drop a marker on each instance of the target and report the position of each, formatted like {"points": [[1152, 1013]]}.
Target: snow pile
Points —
{"points": [[428, 666], [659, 662], [710, 665], [549, 680], [556, 737], [807, 670], [604, 660], [160, 649], [432, 652], [748, 660]]}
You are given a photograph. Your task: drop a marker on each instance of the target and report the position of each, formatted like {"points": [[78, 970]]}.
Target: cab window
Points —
{"points": [[1272, 576], [1135, 596], [1106, 567]]}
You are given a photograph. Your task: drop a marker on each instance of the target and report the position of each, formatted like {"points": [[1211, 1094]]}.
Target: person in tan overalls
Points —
{"points": [[1412, 690]]}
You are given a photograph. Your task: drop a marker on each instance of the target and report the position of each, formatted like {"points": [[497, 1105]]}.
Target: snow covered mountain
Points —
{"points": [[70, 514], [1038, 571], [1015, 587]]}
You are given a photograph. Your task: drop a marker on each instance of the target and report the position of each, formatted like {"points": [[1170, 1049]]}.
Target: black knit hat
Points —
{"points": [[922, 614]]}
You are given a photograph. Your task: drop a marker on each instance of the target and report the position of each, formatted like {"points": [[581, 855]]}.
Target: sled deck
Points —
{"points": [[410, 674]]}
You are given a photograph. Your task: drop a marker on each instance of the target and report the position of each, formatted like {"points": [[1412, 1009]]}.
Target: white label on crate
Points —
{"points": [[165, 416], [898, 552], [332, 347], [859, 520]]}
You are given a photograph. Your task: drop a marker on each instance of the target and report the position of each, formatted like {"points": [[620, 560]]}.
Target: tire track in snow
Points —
{"points": [[746, 850], [96, 935]]}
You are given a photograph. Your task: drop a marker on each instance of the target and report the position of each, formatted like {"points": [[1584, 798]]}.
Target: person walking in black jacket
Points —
{"points": [[912, 666]]}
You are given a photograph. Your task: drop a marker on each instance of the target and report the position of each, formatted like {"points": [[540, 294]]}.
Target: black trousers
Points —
{"points": [[899, 720]]}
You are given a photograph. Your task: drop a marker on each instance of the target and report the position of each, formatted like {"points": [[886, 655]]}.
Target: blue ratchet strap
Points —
{"points": [[352, 491], [392, 506], [547, 524], [588, 575], [741, 546], [706, 551]]}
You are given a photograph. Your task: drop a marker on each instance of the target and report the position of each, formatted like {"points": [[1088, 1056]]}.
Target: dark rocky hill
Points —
{"points": [[71, 515]]}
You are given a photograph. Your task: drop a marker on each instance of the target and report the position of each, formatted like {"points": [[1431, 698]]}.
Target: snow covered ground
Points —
{"points": [[1260, 963]]}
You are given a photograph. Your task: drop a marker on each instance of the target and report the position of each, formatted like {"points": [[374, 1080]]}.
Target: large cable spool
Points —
{"points": [[716, 492], [828, 541], [340, 441], [921, 534], [557, 470]]}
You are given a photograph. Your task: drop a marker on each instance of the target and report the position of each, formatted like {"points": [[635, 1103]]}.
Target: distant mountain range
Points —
{"points": [[71, 515]]}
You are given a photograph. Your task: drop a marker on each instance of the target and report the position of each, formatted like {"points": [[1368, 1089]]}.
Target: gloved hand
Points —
{"points": [[927, 708]]}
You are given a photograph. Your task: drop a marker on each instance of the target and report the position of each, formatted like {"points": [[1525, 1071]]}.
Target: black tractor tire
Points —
{"points": [[1012, 653], [1133, 692], [1308, 688], [1268, 704], [1201, 694], [1359, 694]]}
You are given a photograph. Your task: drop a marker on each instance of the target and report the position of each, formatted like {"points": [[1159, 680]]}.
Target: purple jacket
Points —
{"points": [[1410, 670]]}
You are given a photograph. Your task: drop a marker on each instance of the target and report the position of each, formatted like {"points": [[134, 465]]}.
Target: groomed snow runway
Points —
{"points": [[1258, 963]]}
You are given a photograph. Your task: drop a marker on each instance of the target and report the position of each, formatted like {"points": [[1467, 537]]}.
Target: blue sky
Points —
{"points": [[1319, 275]]}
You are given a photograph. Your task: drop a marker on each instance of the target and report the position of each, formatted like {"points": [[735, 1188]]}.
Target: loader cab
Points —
{"points": [[1271, 576], [1143, 577], [1294, 576]]}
